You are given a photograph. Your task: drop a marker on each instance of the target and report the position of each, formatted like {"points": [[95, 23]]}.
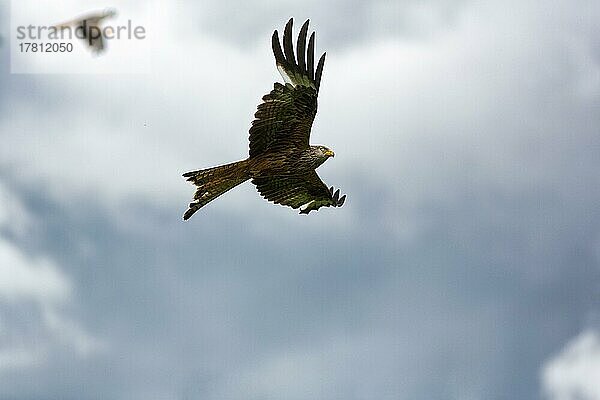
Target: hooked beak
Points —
{"points": [[329, 153]]}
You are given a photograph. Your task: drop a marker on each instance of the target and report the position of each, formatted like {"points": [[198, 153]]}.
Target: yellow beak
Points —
{"points": [[329, 153]]}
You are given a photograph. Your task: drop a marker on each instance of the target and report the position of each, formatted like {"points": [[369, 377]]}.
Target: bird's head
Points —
{"points": [[320, 154], [323, 152]]}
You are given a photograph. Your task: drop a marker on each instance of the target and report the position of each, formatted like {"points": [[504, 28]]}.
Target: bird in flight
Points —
{"points": [[281, 162], [90, 26]]}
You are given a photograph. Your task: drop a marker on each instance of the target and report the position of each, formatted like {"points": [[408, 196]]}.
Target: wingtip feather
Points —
{"points": [[301, 46], [288, 45], [188, 214], [336, 196], [310, 56], [320, 70], [277, 52]]}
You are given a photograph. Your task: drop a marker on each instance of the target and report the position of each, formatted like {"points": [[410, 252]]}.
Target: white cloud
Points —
{"points": [[26, 278], [26, 337], [574, 374]]}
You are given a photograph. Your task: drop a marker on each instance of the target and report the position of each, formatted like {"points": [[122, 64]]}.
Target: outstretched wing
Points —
{"points": [[307, 192], [285, 117]]}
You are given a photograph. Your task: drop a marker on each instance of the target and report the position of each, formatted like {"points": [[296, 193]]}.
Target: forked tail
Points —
{"points": [[213, 182]]}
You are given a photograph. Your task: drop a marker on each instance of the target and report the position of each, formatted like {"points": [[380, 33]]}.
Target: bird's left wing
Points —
{"points": [[285, 117], [307, 192]]}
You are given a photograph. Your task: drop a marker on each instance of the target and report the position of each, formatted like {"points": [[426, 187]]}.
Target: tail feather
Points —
{"points": [[213, 182]]}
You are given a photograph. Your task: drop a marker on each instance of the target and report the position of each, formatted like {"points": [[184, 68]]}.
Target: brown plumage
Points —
{"points": [[281, 162]]}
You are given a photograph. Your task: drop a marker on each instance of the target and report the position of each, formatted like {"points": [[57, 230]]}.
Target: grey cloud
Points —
{"points": [[452, 315], [341, 22], [496, 270]]}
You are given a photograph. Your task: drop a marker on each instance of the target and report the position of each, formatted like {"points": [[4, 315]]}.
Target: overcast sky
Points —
{"points": [[464, 265]]}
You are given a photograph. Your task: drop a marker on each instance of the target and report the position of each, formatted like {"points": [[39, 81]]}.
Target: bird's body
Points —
{"points": [[281, 163], [287, 162], [90, 28]]}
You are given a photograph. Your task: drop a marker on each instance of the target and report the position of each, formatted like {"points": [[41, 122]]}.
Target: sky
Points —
{"points": [[464, 265]]}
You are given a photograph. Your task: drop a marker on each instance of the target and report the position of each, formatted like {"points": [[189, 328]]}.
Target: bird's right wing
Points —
{"points": [[307, 192], [285, 117]]}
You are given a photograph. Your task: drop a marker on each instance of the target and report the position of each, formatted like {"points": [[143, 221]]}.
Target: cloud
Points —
{"points": [[24, 278], [18, 359], [14, 219], [347, 23], [203, 115], [320, 370], [71, 334], [34, 293], [573, 373], [469, 155]]}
